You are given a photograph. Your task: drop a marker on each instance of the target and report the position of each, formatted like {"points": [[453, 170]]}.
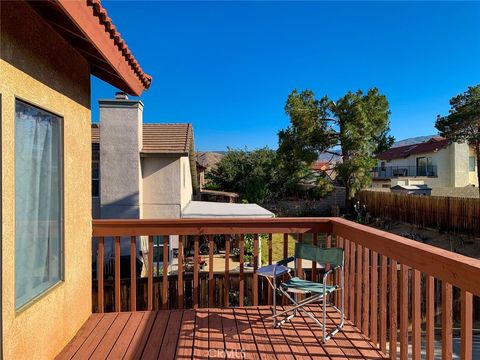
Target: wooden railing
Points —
{"points": [[390, 281]]}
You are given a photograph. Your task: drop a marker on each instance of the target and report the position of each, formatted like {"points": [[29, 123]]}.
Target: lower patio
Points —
{"points": [[232, 333]]}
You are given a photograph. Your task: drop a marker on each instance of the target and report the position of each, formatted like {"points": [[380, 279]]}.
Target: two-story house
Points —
{"points": [[435, 163]]}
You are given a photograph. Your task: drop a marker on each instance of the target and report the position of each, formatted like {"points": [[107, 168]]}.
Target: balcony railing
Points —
{"points": [[394, 287], [404, 171]]}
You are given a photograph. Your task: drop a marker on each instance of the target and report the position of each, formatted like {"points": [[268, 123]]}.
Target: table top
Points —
{"points": [[273, 270]]}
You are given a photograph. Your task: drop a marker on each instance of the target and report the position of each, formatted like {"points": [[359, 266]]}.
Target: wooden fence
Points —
{"points": [[443, 213]]}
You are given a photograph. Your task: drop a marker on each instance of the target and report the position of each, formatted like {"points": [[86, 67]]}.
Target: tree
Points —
{"points": [[357, 124], [462, 124], [253, 174]]}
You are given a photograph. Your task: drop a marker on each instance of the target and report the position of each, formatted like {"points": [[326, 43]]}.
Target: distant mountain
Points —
{"points": [[413, 140], [209, 159]]}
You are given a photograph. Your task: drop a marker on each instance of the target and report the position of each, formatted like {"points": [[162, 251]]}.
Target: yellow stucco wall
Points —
{"points": [[28, 71]]}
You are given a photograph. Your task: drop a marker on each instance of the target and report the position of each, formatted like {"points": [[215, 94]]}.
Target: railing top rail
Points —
{"points": [[458, 270], [209, 226]]}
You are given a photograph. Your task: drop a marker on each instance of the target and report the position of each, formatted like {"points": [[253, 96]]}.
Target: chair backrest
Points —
{"points": [[321, 255]]}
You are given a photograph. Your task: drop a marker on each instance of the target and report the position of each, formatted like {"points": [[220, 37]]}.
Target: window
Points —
{"points": [[471, 163], [424, 166], [95, 179], [38, 202]]}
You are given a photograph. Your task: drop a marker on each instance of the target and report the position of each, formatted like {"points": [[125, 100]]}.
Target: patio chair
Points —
{"points": [[317, 291]]}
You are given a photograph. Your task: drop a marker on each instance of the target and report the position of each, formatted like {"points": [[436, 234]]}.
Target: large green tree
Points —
{"points": [[462, 124], [253, 174], [357, 125]]}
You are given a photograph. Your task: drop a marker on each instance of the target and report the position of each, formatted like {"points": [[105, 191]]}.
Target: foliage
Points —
{"points": [[252, 174], [462, 124], [357, 123]]}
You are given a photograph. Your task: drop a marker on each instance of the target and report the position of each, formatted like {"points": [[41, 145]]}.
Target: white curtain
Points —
{"points": [[38, 215]]}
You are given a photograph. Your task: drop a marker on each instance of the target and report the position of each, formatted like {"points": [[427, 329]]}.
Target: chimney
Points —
{"points": [[120, 145]]}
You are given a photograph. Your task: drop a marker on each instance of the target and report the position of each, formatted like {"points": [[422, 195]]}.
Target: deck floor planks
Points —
{"points": [[246, 336], [185, 338], [155, 339], [95, 337], [230, 332], [220, 333], [69, 351], [296, 345], [125, 337], [259, 333], [135, 349], [172, 332], [111, 336], [200, 342], [280, 346]]}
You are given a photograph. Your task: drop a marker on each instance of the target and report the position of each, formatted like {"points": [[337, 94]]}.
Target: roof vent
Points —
{"points": [[120, 95]]}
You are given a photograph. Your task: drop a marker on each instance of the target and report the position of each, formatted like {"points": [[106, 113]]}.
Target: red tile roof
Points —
{"points": [[320, 165], [86, 25], [433, 145], [100, 12], [161, 138]]}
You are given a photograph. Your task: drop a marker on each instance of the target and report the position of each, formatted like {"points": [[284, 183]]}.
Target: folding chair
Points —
{"points": [[318, 291]]}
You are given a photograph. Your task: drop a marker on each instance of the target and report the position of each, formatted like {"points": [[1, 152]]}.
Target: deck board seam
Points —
{"points": [[118, 337]]}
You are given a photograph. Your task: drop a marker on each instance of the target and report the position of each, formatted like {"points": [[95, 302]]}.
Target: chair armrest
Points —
{"points": [[329, 272], [285, 261]]}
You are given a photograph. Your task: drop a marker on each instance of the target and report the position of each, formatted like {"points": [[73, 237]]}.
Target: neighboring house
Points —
{"points": [[435, 163], [146, 171], [140, 170], [48, 50]]}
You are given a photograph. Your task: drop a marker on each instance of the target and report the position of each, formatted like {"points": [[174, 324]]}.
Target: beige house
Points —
{"points": [[48, 50], [437, 163]]}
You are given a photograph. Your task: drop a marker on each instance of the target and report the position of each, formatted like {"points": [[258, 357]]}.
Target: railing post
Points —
{"points": [[195, 271], [150, 274], [180, 272], [100, 265], [166, 259], [430, 317], [117, 274], [255, 266], [226, 282], [466, 326], [241, 282], [446, 321], [133, 273]]}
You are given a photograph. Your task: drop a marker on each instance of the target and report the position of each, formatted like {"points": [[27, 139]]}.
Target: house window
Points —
{"points": [[95, 179], [424, 166], [471, 163], [38, 202]]}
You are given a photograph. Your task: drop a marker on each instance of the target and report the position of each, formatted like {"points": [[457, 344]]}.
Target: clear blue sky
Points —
{"points": [[228, 67]]}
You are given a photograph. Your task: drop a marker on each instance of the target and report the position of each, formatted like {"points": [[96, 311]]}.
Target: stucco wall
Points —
{"points": [[41, 68], [186, 185], [161, 186]]}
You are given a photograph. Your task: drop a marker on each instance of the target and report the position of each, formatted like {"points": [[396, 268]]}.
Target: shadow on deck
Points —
{"points": [[238, 333]]}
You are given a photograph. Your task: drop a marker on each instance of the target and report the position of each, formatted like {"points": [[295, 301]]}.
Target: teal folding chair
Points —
{"points": [[318, 291]]}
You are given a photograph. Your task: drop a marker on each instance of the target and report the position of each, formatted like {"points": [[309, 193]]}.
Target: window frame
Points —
{"points": [[474, 163], [61, 198]]}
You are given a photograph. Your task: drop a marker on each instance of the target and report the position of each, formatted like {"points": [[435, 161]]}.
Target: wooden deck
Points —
{"points": [[239, 333]]}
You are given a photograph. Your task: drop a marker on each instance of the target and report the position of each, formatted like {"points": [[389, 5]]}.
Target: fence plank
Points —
{"points": [[430, 317], [416, 314], [466, 326], [133, 273], [447, 321], [100, 265], [393, 309]]}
